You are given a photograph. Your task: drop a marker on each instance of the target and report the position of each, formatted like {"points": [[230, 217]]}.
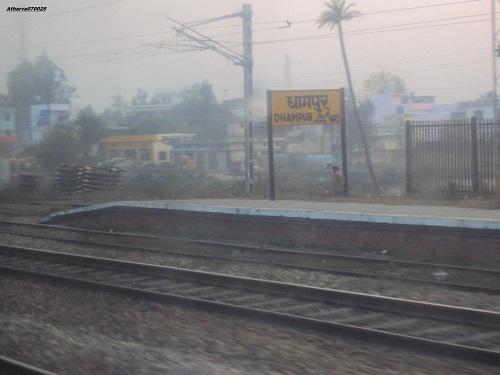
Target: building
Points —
{"points": [[481, 109], [228, 153], [163, 101], [145, 148], [391, 112], [43, 119], [7, 122], [7, 131]]}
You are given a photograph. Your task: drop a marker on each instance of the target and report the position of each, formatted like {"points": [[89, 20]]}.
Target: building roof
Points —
{"points": [[7, 109], [143, 137], [8, 139], [132, 138]]}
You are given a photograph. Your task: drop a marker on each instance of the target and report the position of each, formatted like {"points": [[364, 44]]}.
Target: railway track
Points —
{"points": [[480, 280], [35, 209], [429, 327], [18, 210], [10, 366]]}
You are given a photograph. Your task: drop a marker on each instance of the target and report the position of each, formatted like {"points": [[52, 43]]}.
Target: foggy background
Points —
{"points": [[107, 48]]}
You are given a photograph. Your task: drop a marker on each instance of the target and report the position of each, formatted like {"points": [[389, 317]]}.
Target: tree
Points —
{"points": [[384, 82], [201, 114], [118, 111], [40, 83], [486, 96], [198, 113], [91, 128], [51, 84], [141, 98], [60, 145], [338, 12], [21, 88], [72, 142], [366, 111]]}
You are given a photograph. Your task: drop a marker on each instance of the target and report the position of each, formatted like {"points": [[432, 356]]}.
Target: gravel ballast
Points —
{"points": [[68, 330], [74, 331]]}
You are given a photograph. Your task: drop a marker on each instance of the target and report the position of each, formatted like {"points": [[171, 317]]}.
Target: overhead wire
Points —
{"points": [[398, 27], [391, 28]]}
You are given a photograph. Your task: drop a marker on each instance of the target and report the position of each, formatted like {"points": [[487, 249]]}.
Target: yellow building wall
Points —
{"points": [[130, 147]]}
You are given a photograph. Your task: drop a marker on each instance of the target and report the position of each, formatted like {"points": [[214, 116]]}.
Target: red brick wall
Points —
{"points": [[472, 245]]}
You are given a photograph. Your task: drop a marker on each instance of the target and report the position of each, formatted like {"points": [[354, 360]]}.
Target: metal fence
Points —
{"points": [[451, 156]]}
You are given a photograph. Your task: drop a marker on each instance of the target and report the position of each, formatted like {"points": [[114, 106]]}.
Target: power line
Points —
{"points": [[236, 33], [423, 7], [139, 54], [367, 31], [373, 68], [387, 28], [364, 14], [355, 32], [397, 72]]}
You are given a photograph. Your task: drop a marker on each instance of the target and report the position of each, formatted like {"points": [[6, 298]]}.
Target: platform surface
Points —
{"points": [[380, 213]]}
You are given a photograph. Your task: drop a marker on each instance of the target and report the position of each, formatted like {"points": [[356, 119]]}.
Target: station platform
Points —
{"points": [[434, 216]]}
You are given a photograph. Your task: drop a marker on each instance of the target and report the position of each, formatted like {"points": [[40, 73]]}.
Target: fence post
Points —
{"points": [[408, 157], [474, 155]]}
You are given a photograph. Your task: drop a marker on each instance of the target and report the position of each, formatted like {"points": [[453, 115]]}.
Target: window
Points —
{"points": [[114, 154], [479, 114], [7, 117], [130, 154], [162, 155], [145, 155]]}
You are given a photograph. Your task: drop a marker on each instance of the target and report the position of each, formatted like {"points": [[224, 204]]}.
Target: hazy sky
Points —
{"points": [[109, 47]]}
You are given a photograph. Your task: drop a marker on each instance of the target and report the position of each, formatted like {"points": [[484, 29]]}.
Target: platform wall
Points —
{"points": [[477, 246]]}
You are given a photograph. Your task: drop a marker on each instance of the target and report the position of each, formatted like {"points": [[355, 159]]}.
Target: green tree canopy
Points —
{"points": [[72, 142], [60, 145], [117, 112], [41, 82], [141, 97], [201, 114], [384, 82], [366, 111], [338, 12], [198, 113], [91, 128]]}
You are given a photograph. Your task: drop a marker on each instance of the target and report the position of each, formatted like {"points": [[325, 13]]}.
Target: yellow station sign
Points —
{"points": [[306, 107]]}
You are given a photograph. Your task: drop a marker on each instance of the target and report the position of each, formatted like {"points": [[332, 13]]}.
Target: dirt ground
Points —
{"points": [[464, 202]]}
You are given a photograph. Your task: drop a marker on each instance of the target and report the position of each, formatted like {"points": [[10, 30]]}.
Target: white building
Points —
{"points": [[43, 118]]}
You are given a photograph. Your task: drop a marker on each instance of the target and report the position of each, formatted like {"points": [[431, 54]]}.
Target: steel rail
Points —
{"points": [[10, 366], [127, 236], [316, 256], [447, 329]]}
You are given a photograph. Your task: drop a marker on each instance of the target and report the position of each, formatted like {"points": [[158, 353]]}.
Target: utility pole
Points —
{"points": [[245, 60], [248, 94], [494, 46], [22, 44], [495, 54]]}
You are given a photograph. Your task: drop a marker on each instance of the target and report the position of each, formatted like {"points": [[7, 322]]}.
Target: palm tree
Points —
{"points": [[338, 12]]}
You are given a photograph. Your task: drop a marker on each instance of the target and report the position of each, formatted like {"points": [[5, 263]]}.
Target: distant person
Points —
{"points": [[338, 180]]}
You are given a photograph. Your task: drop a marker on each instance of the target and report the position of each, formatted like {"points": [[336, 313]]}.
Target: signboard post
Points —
{"points": [[305, 107]]}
